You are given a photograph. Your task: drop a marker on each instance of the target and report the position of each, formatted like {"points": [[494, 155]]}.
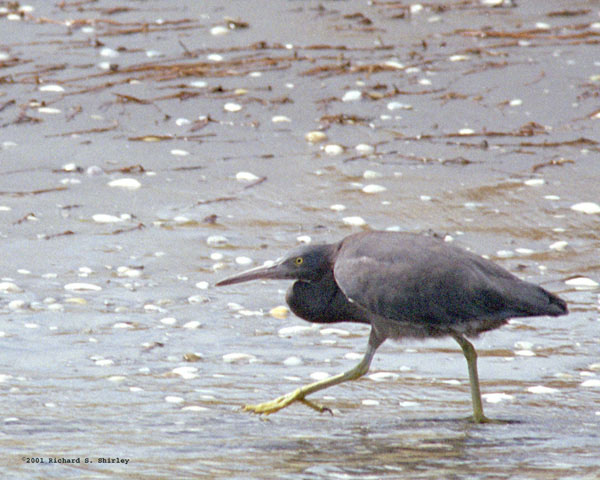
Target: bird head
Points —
{"points": [[307, 263]]}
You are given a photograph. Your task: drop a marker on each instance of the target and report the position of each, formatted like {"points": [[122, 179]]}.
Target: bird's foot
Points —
{"points": [[279, 403], [480, 419]]}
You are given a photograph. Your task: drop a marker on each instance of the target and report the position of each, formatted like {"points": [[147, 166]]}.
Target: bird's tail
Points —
{"points": [[556, 305], [542, 302]]}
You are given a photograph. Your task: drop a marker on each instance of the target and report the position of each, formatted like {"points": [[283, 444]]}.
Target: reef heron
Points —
{"points": [[405, 286]]}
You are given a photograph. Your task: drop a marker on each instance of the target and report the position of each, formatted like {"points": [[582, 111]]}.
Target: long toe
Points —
{"points": [[316, 406], [273, 406]]}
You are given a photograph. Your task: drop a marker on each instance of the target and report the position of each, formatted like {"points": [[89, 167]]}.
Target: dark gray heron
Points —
{"points": [[405, 286]]}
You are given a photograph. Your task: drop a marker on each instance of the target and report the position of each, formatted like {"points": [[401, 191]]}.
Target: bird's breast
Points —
{"points": [[322, 301]]}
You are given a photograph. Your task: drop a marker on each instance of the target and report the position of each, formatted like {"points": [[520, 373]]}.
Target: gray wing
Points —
{"points": [[426, 282]]}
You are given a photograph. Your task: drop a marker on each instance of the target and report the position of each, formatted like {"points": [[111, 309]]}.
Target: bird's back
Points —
{"points": [[424, 287]]}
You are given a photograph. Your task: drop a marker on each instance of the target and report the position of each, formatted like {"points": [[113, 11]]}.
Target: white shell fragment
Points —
{"points": [[127, 183], [296, 330], [523, 345], [337, 207], [333, 149], [109, 53], [524, 353], [370, 174], [364, 149], [394, 64], [194, 408], [232, 107], [186, 373], [10, 287], [280, 119], [319, 375], [82, 287], [582, 283], [244, 261], [238, 357], [128, 272], [352, 96], [197, 299], [179, 152], [586, 207], [94, 170], [559, 246], [123, 325], [383, 376], [398, 106], [315, 137], [335, 331], [49, 110], [592, 383], [540, 389], [173, 399], [292, 361], [17, 305], [354, 221], [246, 177], [217, 240], [168, 321], [280, 312], [104, 362], [497, 397], [219, 30], [372, 188], [105, 218], [192, 324], [535, 182], [51, 88]]}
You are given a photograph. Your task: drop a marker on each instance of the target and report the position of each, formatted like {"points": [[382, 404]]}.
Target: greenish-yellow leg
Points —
{"points": [[299, 394], [471, 356]]}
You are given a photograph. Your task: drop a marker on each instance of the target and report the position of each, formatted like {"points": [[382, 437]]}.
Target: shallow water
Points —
{"points": [[484, 127]]}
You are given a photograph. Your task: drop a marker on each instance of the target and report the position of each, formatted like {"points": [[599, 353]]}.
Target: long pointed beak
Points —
{"points": [[270, 270]]}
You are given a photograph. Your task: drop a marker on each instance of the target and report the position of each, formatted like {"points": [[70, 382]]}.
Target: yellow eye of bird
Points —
{"points": [[298, 261]]}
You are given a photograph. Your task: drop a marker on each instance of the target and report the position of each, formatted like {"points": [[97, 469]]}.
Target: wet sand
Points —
{"points": [[149, 149]]}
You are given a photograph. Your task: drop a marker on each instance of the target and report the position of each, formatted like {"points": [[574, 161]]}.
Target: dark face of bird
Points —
{"points": [[307, 263]]}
